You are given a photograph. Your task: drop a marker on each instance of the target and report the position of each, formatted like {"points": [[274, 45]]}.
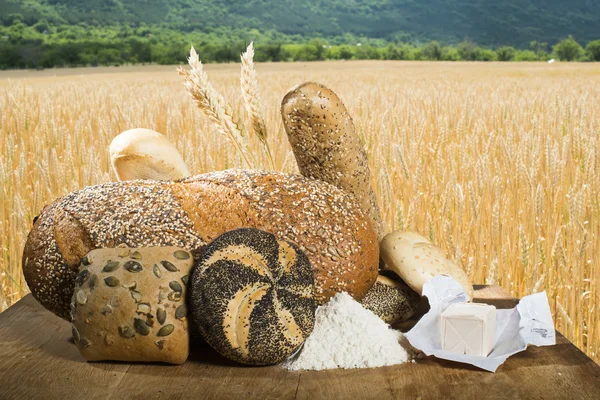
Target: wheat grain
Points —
{"points": [[250, 94]]}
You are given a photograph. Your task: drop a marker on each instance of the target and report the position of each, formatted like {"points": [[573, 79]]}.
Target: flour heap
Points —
{"points": [[348, 336]]}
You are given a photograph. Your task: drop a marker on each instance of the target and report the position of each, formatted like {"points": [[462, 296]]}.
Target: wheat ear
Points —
{"points": [[211, 103], [250, 94]]}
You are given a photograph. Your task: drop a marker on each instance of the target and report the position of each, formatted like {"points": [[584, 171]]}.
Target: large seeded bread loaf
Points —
{"points": [[322, 135], [322, 220]]}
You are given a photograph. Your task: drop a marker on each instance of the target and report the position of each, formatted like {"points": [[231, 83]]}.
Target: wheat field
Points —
{"points": [[496, 163]]}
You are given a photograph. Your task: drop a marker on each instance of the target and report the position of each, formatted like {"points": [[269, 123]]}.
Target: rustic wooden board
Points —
{"points": [[38, 361]]}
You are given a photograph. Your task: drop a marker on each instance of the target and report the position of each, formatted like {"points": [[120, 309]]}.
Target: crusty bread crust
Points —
{"points": [[326, 146], [322, 220]]}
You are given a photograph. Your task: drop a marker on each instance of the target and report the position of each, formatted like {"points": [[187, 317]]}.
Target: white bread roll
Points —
{"points": [[416, 260], [145, 154]]}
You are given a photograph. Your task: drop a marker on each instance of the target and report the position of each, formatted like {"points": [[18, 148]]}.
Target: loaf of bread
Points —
{"points": [[391, 299], [325, 222], [252, 297], [416, 260], [146, 154], [326, 146], [129, 305]]}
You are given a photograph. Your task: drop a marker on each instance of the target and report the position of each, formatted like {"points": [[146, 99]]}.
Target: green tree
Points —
{"points": [[467, 51], [593, 50], [505, 53], [568, 49], [433, 51]]}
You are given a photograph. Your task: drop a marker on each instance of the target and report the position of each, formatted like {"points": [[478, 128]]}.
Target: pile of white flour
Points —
{"points": [[348, 336]]}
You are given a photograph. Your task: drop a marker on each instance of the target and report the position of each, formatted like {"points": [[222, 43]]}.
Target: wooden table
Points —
{"points": [[39, 361]]}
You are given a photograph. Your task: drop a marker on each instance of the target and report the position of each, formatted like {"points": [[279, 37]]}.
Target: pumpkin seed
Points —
{"points": [[137, 296], [161, 315], [81, 297], [124, 253], [109, 339], [82, 277], [161, 296], [86, 261], [126, 331], [143, 308], [181, 255], [136, 255], [169, 266], [114, 302], [141, 327], [133, 266], [174, 296], [176, 286], [107, 309], [149, 320], [84, 342], [93, 281], [184, 279], [165, 330], [156, 271], [111, 266], [130, 286], [161, 344], [75, 333], [111, 281], [181, 312]]}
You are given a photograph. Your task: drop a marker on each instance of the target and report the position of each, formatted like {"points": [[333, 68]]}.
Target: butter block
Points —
{"points": [[469, 329]]}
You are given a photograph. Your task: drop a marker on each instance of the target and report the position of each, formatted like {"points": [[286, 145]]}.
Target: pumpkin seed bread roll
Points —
{"points": [[129, 305], [391, 299], [322, 220], [252, 297], [326, 146]]}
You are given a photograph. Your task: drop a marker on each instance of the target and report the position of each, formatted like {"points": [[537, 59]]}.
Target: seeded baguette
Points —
{"points": [[325, 222], [326, 146]]}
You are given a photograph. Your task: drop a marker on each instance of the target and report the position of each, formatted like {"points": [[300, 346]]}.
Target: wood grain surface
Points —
{"points": [[39, 361]]}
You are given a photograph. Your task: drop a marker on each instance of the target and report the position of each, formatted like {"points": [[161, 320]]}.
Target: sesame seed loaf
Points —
{"points": [[326, 146], [322, 220], [252, 297]]}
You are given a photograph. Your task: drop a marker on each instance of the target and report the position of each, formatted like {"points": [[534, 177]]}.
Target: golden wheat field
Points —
{"points": [[496, 163]]}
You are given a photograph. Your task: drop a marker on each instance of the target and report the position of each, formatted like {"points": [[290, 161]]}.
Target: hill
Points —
{"points": [[487, 22]]}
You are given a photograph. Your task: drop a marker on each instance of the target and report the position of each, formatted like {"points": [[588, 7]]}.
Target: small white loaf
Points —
{"points": [[146, 154], [416, 260]]}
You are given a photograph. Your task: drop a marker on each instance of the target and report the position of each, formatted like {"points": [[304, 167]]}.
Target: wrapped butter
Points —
{"points": [[529, 324], [469, 328]]}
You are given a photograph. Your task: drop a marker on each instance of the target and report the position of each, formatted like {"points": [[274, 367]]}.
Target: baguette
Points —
{"points": [[325, 222], [326, 146]]}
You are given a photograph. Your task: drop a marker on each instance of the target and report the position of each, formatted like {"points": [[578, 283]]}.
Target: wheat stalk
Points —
{"points": [[211, 103], [251, 97]]}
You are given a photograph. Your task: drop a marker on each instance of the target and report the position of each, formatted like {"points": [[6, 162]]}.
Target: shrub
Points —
{"points": [[568, 49]]}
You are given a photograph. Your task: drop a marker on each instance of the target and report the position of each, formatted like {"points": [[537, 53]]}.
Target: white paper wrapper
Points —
{"points": [[529, 323]]}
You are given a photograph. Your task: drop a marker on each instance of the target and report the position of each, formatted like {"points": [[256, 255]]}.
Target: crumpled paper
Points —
{"points": [[529, 323]]}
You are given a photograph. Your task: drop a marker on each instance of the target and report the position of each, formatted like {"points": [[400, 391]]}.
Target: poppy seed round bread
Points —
{"points": [[322, 220], [252, 297]]}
